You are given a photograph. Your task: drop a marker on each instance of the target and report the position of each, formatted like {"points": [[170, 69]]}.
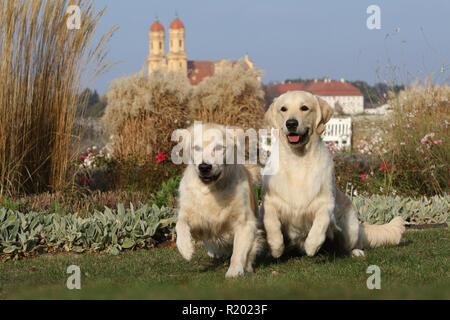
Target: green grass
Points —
{"points": [[417, 269]]}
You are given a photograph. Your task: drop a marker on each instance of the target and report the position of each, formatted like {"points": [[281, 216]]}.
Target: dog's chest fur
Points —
{"points": [[212, 215], [297, 182], [295, 188]]}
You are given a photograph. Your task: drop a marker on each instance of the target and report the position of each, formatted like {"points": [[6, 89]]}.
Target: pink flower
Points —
{"points": [[82, 157], [437, 141], [161, 157], [363, 177]]}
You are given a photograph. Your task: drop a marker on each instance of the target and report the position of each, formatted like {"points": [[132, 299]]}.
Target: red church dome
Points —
{"points": [[177, 24], [157, 26]]}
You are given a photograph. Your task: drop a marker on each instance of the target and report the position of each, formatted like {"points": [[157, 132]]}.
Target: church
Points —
{"points": [[176, 58]]}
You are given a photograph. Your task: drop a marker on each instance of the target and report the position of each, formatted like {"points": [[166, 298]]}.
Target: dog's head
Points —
{"points": [[209, 150], [298, 115]]}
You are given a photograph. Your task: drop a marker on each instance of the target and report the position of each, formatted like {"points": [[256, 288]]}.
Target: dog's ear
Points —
{"points": [[270, 114], [324, 114]]}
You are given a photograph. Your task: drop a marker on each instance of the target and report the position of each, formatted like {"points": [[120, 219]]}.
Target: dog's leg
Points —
{"points": [[273, 231], [256, 247], [184, 239], [213, 250], [244, 238], [317, 234]]}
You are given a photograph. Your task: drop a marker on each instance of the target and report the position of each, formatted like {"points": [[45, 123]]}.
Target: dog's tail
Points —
{"points": [[373, 235]]}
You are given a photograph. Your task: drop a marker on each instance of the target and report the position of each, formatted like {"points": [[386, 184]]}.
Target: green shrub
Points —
{"points": [[109, 230], [147, 177], [168, 194], [381, 209]]}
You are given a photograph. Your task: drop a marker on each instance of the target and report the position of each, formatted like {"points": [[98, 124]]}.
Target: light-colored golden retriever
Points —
{"points": [[301, 201], [217, 204]]}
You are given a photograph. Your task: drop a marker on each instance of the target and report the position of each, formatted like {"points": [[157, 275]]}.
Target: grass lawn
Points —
{"points": [[417, 269]]}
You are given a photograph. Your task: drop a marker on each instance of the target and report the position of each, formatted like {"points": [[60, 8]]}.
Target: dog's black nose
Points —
{"points": [[204, 167], [291, 124]]}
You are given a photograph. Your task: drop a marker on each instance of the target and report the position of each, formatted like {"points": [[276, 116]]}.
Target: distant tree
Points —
{"points": [[270, 93], [304, 80], [98, 109], [371, 96], [93, 98], [90, 104]]}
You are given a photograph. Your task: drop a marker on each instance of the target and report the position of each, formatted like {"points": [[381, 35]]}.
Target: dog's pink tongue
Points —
{"points": [[293, 138]]}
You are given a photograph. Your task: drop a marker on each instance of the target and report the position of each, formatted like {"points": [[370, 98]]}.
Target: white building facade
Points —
{"points": [[350, 104]]}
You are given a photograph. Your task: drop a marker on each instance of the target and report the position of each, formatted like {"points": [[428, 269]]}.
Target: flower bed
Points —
{"points": [[145, 227]]}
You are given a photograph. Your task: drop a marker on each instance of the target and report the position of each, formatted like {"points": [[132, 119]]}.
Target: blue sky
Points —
{"points": [[290, 39]]}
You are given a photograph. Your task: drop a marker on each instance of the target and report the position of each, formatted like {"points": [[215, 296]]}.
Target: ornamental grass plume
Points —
{"points": [[42, 63], [233, 96], [143, 111]]}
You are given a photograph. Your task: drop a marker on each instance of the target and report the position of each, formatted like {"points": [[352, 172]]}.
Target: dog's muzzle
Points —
{"points": [[293, 136], [205, 173]]}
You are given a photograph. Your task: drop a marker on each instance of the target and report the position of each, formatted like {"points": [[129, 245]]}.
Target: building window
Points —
{"points": [[180, 42], [160, 45], [180, 64]]}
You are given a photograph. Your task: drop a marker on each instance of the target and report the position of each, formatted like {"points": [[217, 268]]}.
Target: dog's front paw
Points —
{"points": [[312, 246], [277, 251], [357, 253], [186, 248], [234, 271]]}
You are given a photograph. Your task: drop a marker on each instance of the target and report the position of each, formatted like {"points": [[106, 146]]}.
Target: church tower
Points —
{"points": [[157, 58], [177, 57]]}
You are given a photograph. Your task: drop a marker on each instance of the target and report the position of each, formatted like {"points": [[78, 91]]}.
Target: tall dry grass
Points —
{"points": [[419, 140], [142, 113], [41, 65], [233, 96]]}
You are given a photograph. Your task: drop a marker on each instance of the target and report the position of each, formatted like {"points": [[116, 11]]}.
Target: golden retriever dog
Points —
{"points": [[217, 203], [301, 201]]}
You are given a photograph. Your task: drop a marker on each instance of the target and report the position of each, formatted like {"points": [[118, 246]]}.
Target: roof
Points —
{"points": [[156, 26], [177, 24], [321, 88], [198, 70], [291, 86]]}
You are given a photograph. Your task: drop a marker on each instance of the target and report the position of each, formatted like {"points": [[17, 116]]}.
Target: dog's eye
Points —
{"points": [[218, 147], [198, 148], [284, 109], [304, 108]]}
